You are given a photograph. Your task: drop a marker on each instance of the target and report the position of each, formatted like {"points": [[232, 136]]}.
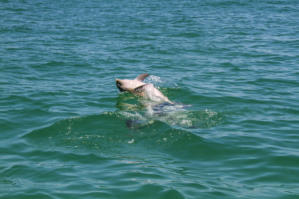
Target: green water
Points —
{"points": [[64, 129]]}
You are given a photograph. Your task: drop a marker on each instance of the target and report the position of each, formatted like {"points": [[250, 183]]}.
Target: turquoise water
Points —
{"points": [[64, 129]]}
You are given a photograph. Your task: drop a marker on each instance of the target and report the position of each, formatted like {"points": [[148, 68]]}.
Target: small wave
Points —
{"points": [[108, 134], [95, 132]]}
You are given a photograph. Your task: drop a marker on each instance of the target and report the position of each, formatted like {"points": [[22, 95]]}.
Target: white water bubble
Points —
{"points": [[154, 79], [131, 141]]}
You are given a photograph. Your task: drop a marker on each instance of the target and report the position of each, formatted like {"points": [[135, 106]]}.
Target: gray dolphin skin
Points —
{"points": [[139, 88]]}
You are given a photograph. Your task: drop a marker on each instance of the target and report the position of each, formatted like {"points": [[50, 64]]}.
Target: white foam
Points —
{"points": [[154, 79]]}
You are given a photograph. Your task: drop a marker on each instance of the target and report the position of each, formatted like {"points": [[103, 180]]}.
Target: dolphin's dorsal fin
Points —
{"points": [[142, 77]]}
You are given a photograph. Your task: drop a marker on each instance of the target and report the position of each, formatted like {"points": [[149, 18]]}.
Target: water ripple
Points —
{"points": [[65, 131]]}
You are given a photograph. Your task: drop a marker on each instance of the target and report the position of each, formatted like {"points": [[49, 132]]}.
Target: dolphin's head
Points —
{"points": [[128, 85], [131, 85]]}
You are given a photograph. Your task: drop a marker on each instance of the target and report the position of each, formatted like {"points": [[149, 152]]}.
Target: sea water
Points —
{"points": [[64, 129]]}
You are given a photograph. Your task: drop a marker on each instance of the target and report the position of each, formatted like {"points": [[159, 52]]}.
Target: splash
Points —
{"points": [[154, 79], [174, 115]]}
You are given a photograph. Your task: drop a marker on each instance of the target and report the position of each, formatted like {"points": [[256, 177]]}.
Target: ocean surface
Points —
{"points": [[230, 66]]}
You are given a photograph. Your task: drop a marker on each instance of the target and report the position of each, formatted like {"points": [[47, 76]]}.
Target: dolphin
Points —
{"points": [[139, 88], [159, 108], [151, 98]]}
